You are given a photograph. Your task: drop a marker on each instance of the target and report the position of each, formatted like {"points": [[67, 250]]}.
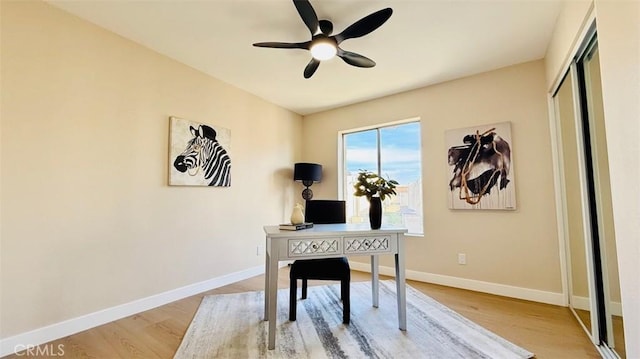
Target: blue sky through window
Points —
{"points": [[400, 159], [400, 151]]}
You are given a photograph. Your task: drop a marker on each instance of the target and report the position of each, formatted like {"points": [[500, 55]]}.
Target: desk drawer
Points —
{"points": [[314, 247], [377, 244]]}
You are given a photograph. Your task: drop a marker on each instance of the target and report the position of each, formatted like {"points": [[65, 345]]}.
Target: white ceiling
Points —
{"points": [[423, 43]]}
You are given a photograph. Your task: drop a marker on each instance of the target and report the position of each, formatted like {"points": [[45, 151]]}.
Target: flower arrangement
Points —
{"points": [[371, 185]]}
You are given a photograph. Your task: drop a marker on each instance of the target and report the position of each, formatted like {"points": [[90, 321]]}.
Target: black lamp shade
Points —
{"points": [[307, 172]]}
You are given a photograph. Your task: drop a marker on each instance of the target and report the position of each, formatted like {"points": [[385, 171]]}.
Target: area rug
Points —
{"points": [[232, 326]]}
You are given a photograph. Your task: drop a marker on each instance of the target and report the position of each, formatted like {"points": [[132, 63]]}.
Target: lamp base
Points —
{"points": [[307, 194]]}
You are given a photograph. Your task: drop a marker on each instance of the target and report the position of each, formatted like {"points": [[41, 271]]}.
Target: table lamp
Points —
{"points": [[307, 173]]}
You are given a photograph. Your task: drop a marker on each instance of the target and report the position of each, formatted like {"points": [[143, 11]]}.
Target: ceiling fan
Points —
{"points": [[322, 45]]}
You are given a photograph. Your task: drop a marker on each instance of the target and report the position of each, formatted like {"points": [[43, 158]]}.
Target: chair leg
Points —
{"points": [[346, 301], [293, 289], [304, 288]]}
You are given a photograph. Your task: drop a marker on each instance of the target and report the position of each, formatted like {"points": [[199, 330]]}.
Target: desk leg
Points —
{"points": [[266, 285], [400, 285], [273, 298], [375, 281]]}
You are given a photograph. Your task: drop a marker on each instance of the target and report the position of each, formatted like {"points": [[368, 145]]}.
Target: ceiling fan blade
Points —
{"points": [[312, 66], [307, 14], [284, 45], [365, 25], [355, 59]]}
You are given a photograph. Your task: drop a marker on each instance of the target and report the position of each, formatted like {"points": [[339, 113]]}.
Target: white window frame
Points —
{"points": [[341, 156]]}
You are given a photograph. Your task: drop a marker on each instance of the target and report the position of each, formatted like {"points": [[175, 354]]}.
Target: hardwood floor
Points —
{"points": [[617, 326], [548, 331]]}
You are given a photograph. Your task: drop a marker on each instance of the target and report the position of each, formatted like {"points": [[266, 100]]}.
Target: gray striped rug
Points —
{"points": [[231, 326]]}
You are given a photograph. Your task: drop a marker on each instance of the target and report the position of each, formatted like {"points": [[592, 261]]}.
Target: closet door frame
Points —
{"points": [[600, 331]]}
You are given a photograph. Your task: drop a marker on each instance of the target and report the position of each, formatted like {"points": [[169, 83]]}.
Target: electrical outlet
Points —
{"points": [[259, 250], [462, 258]]}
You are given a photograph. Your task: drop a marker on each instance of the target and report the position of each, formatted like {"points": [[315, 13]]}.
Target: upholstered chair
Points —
{"points": [[337, 269]]}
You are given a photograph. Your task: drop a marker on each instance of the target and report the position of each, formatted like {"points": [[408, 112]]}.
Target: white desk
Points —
{"points": [[332, 240]]}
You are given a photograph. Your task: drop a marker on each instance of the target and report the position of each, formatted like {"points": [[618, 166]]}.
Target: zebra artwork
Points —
{"points": [[203, 161]]}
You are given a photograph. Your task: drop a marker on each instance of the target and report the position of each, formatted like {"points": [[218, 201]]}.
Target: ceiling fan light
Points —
{"points": [[323, 50]]}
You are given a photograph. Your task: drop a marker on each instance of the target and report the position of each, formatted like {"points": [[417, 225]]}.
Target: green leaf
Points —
{"points": [[370, 184]]}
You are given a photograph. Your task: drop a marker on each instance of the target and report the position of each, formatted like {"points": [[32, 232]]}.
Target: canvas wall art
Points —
{"points": [[481, 166], [199, 154]]}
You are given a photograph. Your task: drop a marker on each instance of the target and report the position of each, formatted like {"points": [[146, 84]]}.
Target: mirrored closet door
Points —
{"points": [[588, 231]]}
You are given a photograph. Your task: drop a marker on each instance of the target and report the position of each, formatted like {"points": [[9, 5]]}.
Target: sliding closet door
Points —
{"points": [[574, 209], [594, 287], [602, 210]]}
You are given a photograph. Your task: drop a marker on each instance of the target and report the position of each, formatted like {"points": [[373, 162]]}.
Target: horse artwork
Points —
{"points": [[199, 154], [481, 167]]}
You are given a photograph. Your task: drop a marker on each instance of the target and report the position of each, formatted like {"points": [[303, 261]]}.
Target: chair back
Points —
{"points": [[324, 211]]}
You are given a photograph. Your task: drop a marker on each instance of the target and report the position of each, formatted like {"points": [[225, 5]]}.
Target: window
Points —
{"points": [[392, 151]]}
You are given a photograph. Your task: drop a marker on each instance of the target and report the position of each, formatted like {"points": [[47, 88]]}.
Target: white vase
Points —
{"points": [[297, 216]]}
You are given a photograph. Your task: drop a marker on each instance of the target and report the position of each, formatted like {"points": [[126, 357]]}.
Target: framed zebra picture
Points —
{"points": [[198, 154], [481, 166]]}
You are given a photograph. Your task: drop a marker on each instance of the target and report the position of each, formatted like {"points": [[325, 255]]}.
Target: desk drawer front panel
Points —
{"points": [[309, 247], [367, 244]]}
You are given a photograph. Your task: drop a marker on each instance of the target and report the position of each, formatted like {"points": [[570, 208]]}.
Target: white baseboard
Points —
{"points": [[584, 304], [471, 284], [68, 327], [580, 302]]}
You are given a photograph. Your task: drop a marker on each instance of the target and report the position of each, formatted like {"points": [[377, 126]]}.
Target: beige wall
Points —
{"points": [[619, 41], [88, 220], [618, 25], [516, 248], [571, 20], [620, 71]]}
